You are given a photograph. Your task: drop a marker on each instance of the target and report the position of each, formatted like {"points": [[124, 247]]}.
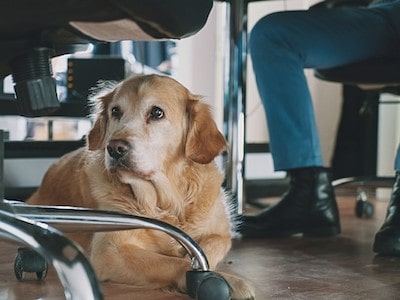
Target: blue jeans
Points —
{"points": [[283, 44]]}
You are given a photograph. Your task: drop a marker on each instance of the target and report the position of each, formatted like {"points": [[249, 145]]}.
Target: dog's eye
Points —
{"points": [[156, 113], [116, 112]]}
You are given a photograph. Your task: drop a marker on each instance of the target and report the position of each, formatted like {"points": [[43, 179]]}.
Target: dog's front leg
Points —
{"points": [[216, 247], [119, 258]]}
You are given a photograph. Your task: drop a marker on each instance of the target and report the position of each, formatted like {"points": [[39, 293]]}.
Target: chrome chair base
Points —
{"points": [[73, 219], [73, 269], [363, 207]]}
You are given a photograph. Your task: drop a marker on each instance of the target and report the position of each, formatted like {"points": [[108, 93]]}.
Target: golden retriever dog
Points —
{"points": [[150, 153]]}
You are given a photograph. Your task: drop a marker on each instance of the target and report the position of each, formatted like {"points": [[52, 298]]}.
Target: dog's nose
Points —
{"points": [[117, 148]]}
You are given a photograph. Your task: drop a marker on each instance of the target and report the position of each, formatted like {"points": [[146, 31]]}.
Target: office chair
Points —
{"points": [[44, 29], [33, 32], [374, 76]]}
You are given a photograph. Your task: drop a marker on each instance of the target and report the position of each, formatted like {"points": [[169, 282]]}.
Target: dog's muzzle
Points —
{"points": [[117, 149]]}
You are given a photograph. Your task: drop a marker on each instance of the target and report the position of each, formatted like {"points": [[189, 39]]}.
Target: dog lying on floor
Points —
{"points": [[151, 153]]}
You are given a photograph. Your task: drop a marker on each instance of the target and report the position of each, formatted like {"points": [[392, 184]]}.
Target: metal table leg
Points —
{"points": [[235, 97], [1, 164]]}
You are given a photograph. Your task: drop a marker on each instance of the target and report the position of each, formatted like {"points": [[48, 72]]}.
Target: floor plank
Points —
{"points": [[342, 267]]}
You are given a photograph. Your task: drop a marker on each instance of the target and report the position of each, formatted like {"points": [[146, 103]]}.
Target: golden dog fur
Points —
{"points": [[151, 153]]}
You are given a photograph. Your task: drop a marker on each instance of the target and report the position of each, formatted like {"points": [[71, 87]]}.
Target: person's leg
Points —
{"points": [[387, 240], [397, 160], [282, 45]]}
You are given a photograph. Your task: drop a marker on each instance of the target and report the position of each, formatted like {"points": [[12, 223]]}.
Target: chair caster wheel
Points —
{"points": [[28, 260], [363, 208], [207, 285]]}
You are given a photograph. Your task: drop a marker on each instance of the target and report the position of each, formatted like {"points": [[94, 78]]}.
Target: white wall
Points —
{"points": [[388, 134], [200, 61], [195, 65]]}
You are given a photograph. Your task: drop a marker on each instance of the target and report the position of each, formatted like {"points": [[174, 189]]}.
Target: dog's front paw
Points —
{"points": [[241, 288]]}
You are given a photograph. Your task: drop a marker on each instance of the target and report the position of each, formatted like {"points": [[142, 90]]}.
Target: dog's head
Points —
{"points": [[147, 123]]}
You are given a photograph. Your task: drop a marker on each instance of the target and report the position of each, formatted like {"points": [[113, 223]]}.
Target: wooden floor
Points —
{"points": [[342, 267]]}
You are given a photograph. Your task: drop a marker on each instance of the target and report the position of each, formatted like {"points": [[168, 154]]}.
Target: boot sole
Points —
{"points": [[307, 232], [321, 232], [387, 247]]}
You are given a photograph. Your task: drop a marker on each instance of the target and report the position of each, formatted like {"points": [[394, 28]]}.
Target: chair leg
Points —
{"points": [[363, 207], [72, 219], [69, 262]]}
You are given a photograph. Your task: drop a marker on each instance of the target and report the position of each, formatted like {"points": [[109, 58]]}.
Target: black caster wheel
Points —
{"points": [[364, 208], [207, 285], [28, 260]]}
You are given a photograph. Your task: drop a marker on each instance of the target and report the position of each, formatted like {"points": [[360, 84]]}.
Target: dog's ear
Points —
{"points": [[96, 136], [204, 141]]}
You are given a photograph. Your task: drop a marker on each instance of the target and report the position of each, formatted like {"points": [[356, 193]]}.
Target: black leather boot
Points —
{"points": [[387, 240], [308, 207]]}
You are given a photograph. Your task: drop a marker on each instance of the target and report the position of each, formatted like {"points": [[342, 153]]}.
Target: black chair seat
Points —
{"points": [[372, 71]]}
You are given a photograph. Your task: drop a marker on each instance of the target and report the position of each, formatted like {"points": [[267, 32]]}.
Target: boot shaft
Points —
{"points": [[308, 207], [394, 203], [313, 185], [395, 198]]}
